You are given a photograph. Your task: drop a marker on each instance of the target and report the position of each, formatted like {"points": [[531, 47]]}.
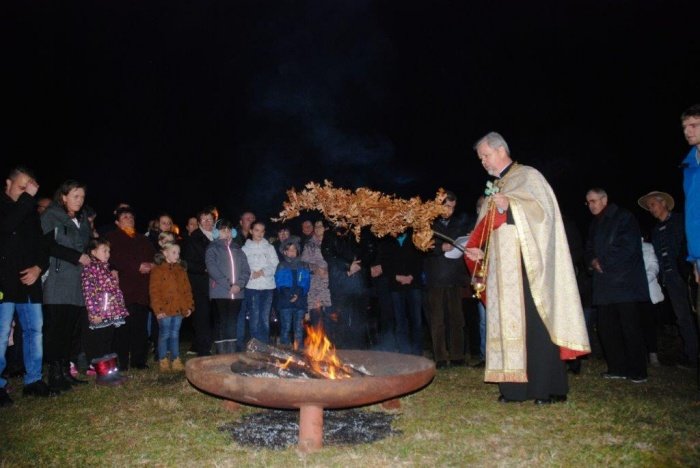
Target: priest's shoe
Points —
{"points": [[503, 399]]}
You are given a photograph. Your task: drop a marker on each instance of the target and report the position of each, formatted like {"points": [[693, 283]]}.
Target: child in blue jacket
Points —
{"points": [[292, 279]]}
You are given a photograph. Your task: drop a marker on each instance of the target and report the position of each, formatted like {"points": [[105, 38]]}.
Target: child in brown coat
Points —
{"points": [[171, 300]]}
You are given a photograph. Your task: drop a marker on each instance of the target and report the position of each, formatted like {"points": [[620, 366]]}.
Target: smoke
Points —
{"points": [[321, 84]]}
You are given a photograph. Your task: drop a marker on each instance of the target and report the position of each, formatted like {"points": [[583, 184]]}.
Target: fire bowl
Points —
{"points": [[393, 375]]}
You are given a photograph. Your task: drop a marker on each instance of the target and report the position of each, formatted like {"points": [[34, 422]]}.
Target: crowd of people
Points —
{"points": [[80, 299]]}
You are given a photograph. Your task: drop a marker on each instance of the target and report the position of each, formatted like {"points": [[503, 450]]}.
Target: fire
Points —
{"points": [[321, 353]]}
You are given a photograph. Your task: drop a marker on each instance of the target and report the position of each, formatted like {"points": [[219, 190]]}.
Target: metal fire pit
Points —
{"points": [[393, 375]]}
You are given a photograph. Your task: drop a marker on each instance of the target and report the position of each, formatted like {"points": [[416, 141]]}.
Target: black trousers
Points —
{"points": [[225, 314], [546, 372], [201, 317], [100, 341], [446, 321], [622, 338], [386, 340], [347, 327], [131, 341], [60, 323]]}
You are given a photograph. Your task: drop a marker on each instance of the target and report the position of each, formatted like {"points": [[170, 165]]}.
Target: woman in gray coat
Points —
{"points": [[64, 307], [229, 272]]}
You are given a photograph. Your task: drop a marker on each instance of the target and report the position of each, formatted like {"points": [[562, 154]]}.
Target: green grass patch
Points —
{"points": [[161, 420]]}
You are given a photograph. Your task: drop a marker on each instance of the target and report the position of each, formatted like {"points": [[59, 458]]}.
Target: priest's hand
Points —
{"points": [[474, 253]]}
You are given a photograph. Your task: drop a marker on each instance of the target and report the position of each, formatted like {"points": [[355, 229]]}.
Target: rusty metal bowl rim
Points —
{"points": [[212, 374]]}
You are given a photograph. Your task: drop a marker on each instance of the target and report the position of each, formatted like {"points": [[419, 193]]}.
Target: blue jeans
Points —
{"points": [[407, 317], [169, 336], [32, 320], [292, 320], [259, 304]]}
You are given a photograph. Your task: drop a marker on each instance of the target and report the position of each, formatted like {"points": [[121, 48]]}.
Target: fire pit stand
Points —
{"points": [[393, 375]]}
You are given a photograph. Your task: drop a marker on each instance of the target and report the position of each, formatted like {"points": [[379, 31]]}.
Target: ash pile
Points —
{"points": [[279, 429]]}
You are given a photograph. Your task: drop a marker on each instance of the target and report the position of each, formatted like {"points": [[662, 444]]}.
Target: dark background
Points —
{"points": [[173, 105]]}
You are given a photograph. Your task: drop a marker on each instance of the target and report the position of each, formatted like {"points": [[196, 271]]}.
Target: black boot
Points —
{"points": [[65, 369], [56, 379], [229, 346], [220, 347]]}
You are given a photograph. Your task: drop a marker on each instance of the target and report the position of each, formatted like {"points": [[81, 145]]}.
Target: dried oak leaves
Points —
{"points": [[385, 214]]}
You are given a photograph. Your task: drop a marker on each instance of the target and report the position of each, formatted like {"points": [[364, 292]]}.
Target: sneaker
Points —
{"points": [[5, 399], [638, 379], [91, 371], [608, 375], [654, 360], [73, 370], [39, 388]]}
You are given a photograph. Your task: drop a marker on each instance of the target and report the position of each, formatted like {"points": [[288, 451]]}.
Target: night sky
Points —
{"points": [[174, 105]]}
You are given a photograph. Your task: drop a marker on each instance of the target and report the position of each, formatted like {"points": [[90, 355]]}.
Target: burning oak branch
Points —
{"points": [[317, 361], [385, 214]]}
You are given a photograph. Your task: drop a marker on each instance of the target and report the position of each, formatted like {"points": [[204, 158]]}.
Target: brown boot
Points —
{"points": [[164, 364], [177, 365]]}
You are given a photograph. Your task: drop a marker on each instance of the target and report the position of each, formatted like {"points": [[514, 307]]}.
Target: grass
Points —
{"points": [[161, 420]]}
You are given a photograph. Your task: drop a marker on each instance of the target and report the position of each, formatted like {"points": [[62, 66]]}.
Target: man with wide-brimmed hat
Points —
{"points": [[669, 241]]}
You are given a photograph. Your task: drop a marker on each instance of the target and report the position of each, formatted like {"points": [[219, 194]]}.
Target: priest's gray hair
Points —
{"points": [[494, 140]]}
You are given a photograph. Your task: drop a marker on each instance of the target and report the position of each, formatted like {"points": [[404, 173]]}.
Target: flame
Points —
{"points": [[321, 353], [286, 363]]}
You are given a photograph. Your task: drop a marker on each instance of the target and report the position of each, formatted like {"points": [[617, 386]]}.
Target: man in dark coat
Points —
{"points": [[614, 253], [193, 252], [23, 258], [348, 280], [445, 278]]}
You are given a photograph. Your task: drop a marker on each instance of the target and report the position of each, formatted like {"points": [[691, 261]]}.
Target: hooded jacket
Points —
{"points": [[261, 255], [293, 279], [169, 289], [227, 265]]}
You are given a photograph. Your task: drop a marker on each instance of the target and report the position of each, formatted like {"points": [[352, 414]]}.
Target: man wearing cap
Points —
{"points": [[690, 120], [668, 239]]}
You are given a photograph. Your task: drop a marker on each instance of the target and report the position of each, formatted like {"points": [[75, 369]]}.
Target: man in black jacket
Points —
{"points": [[445, 278], [23, 258], [349, 281], [614, 254]]}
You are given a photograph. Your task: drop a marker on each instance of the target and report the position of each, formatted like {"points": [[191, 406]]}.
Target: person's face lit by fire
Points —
{"points": [[247, 219], [449, 208], [165, 223], [191, 225], [206, 222], [307, 228], [494, 160], [691, 130], [258, 232]]}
